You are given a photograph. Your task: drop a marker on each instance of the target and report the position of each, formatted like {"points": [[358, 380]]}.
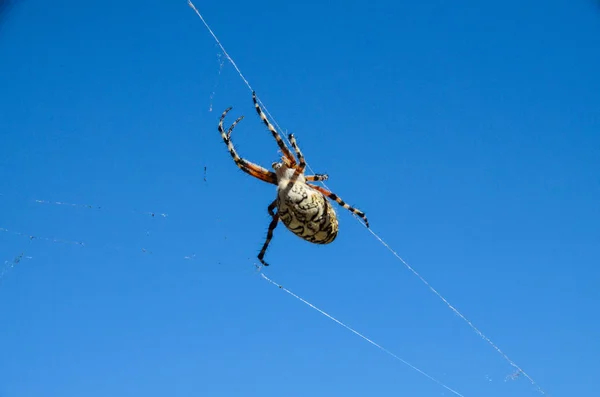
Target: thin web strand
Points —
{"points": [[469, 323], [97, 207], [362, 336], [32, 237], [87, 206], [8, 265], [55, 240], [263, 106], [218, 42], [458, 313]]}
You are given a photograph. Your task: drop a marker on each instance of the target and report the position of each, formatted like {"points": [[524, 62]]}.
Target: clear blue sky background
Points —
{"points": [[469, 133]]}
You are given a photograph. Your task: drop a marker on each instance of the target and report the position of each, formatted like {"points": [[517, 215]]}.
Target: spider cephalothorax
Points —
{"points": [[302, 207]]}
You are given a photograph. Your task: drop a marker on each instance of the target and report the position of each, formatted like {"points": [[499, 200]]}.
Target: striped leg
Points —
{"points": [[302, 162], [341, 202], [272, 227], [246, 166], [280, 143], [316, 177]]}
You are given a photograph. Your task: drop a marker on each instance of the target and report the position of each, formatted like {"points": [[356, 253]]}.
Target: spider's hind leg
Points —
{"points": [[341, 202], [272, 226]]}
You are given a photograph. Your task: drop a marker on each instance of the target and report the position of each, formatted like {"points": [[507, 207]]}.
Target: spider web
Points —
{"points": [[518, 369], [22, 254]]}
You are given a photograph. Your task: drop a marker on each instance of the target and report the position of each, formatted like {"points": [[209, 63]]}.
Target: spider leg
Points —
{"points": [[272, 226], [280, 143], [316, 177], [302, 162], [246, 166], [341, 202]]}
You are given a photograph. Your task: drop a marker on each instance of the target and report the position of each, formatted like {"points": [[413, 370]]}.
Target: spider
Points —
{"points": [[302, 207]]}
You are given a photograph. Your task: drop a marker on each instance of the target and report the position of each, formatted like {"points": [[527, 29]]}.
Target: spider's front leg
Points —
{"points": [[284, 149], [302, 165], [272, 226], [250, 168], [341, 202]]}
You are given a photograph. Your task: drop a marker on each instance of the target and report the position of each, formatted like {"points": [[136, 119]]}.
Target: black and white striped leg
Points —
{"points": [[246, 166], [316, 177], [341, 202], [280, 143], [302, 162]]}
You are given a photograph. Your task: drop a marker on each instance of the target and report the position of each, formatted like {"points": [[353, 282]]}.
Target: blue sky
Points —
{"points": [[467, 132]]}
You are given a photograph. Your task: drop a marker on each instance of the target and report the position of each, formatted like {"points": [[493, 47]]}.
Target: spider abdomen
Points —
{"points": [[307, 213]]}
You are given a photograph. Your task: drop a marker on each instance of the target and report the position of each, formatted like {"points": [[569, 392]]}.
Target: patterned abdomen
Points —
{"points": [[307, 213]]}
